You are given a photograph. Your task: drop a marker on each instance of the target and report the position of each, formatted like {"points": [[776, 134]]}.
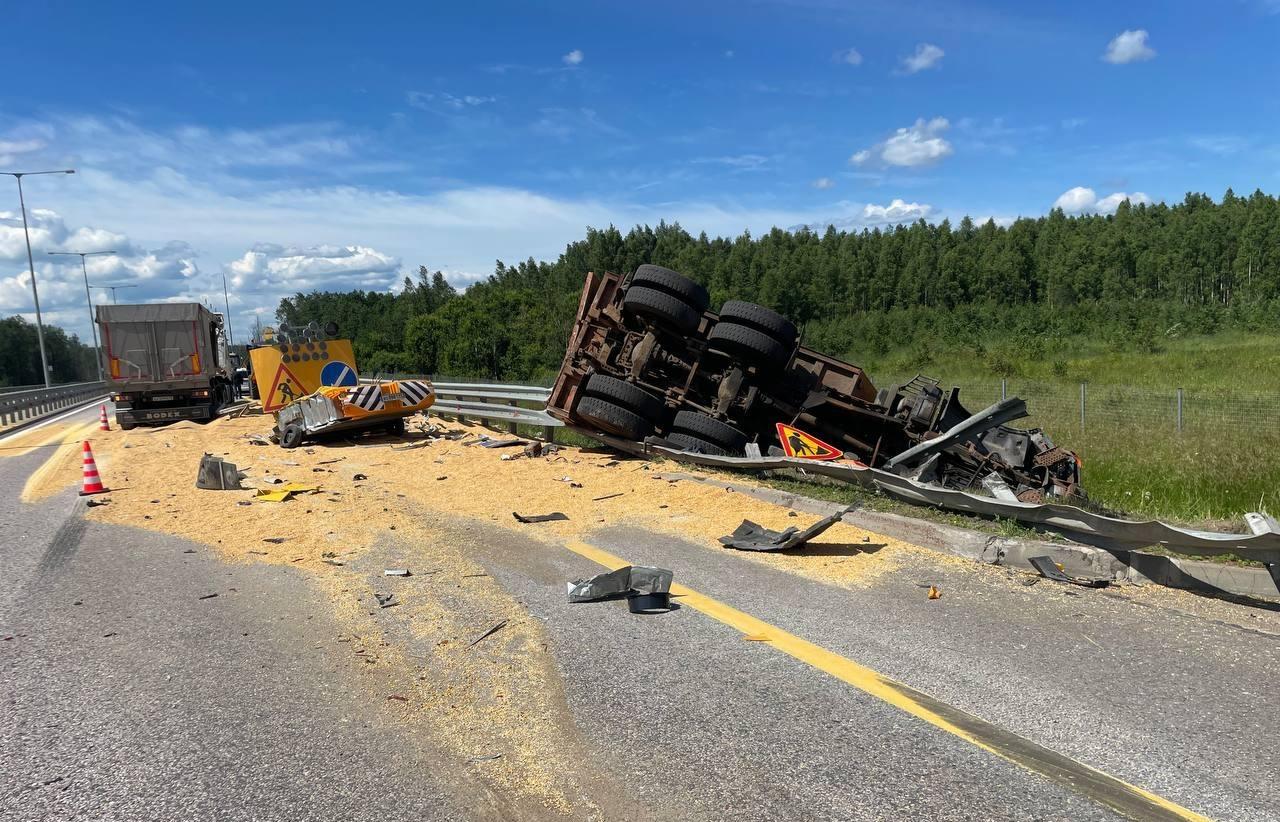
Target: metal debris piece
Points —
{"points": [[488, 758], [570, 480], [411, 446], [383, 599], [750, 536], [396, 572], [208, 596], [333, 562], [935, 592], [264, 495], [1050, 570], [94, 503], [274, 540], [398, 697], [999, 489], [216, 474], [552, 517], [485, 442], [607, 496], [257, 439], [630, 580], [533, 449], [488, 633], [359, 477]]}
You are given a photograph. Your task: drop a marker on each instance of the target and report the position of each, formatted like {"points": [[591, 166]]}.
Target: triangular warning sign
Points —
{"points": [[285, 388], [796, 443]]}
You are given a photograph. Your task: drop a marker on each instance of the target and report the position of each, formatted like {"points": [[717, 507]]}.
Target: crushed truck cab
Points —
{"points": [[364, 407], [648, 361]]}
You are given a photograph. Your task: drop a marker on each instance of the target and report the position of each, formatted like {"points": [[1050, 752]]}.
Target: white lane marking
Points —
{"points": [[28, 429]]}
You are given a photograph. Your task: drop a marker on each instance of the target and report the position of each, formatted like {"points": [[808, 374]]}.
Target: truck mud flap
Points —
{"points": [[1110, 533]]}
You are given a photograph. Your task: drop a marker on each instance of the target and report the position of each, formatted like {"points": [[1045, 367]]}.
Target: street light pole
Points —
{"points": [[93, 326], [113, 290], [227, 300], [35, 294]]}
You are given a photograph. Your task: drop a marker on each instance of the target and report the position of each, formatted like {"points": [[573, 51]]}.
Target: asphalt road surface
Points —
{"points": [[127, 696]]}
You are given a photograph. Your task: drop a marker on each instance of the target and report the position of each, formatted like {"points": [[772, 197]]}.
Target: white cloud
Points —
{"points": [[824, 183], [428, 101], [920, 144], [926, 56], [573, 58], [1129, 47], [269, 267], [895, 212], [1082, 200], [742, 162], [851, 57], [728, 54]]}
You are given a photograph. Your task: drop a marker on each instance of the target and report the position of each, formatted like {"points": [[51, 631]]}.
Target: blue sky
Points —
{"points": [[325, 145]]}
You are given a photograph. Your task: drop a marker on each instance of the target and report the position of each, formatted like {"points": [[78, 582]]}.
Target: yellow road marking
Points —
{"points": [[69, 439], [1128, 800]]}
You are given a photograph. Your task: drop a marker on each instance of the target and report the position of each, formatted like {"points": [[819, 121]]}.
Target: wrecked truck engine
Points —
{"points": [[648, 361]]}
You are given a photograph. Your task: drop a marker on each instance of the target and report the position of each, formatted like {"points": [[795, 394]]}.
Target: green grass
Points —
{"points": [[1221, 465]]}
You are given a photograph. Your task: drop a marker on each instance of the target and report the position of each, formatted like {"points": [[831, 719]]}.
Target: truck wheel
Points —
{"points": [[127, 426], [397, 428], [613, 419], [710, 429], [687, 443], [761, 319], [253, 388], [291, 436], [751, 346], [672, 282], [624, 394], [661, 307]]}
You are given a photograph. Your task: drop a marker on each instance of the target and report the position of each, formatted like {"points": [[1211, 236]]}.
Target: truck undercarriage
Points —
{"points": [[648, 360]]}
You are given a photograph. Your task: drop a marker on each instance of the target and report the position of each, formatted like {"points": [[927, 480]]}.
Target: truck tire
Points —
{"points": [[710, 429], [661, 307], [253, 388], [127, 426], [749, 345], [690, 443], [761, 319], [291, 436], [624, 394], [397, 428], [613, 419], [672, 282]]}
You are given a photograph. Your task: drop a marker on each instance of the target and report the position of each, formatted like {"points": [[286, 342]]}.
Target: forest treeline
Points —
{"points": [[1131, 278], [70, 360]]}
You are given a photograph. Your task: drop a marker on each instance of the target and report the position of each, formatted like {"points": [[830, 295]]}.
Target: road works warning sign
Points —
{"points": [[796, 443], [285, 388]]}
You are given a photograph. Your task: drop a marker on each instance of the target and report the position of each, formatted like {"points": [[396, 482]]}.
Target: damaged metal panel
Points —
{"points": [[998, 414], [632, 580], [750, 536], [1076, 523]]}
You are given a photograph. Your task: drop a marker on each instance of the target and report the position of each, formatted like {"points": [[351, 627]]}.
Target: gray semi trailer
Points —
{"points": [[165, 362]]}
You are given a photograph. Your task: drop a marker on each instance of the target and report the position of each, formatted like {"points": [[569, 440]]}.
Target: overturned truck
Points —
{"points": [[647, 359]]}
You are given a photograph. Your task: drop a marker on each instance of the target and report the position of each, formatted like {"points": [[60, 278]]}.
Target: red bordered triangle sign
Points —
{"points": [[285, 388], [796, 443]]}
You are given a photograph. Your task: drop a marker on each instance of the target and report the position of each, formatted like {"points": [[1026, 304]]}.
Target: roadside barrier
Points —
{"points": [[23, 406]]}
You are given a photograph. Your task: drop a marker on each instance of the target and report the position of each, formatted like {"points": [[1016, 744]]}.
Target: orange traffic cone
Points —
{"points": [[92, 482], [103, 425]]}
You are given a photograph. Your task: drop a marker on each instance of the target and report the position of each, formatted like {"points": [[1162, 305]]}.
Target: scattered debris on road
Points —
{"points": [[647, 589], [555, 516], [1052, 570], [396, 572], [216, 474], [752, 537], [607, 496], [488, 633], [488, 758], [208, 596], [935, 592], [274, 540]]}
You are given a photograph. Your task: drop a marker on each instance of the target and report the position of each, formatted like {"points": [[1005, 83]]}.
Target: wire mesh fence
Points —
{"points": [[1072, 409]]}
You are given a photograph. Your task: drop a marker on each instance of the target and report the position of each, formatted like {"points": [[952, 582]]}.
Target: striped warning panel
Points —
{"points": [[368, 397], [414, 392]]}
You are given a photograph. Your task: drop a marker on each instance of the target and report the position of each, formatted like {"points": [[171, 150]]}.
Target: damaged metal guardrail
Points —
{"points": [[512, 404], [26, 406], [1262, 543]]}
